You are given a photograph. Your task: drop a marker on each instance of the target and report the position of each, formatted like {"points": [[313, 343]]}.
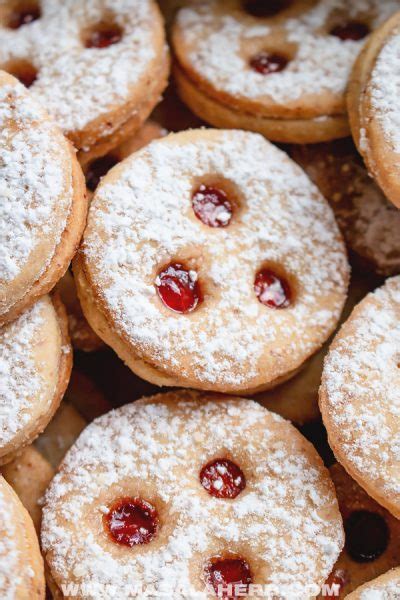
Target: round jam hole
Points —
{"points": [[98, 169], [24, 72], [350, 31], [104, 36], [265, 8], [178, 288], [18, 18], [271, 290], [212, 206], [268, 62], [222, 478], [367, 536], [131, 521], [230, 577]]}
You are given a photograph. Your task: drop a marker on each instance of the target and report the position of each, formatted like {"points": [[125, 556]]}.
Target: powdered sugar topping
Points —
{"points": [[35, 185], [78, 85], [220, 42], [361, 389], [9, 553], [141, 221], [286, 520]]}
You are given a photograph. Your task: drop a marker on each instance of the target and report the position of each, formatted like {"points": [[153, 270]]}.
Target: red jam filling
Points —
{"points": [[268, 62], [212, 206], [367, 536], [350, 31], [18, 18], [222, 478], [98, 169], [131, 521], [265, 8], [271, 290], [104, 37], [230, 577], [178, 288], [335, 583]]}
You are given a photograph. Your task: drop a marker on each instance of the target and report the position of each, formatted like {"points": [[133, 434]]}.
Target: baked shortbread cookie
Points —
{"points": [[21, 565], [372, 537], [372, 104], [279, 68], [182, 492], [385, 587], [42, 200], [35, 364], [211, 261], [98, 66], [368, 220], [360, 397]]}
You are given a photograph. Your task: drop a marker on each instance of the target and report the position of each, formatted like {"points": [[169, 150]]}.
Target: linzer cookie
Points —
{"points": [[42, 200], [35, 364], [211, 261], [181, 493], [280, 68], [372, 103], [98, 66], [21, 565], [359, 395], [385, 587]]}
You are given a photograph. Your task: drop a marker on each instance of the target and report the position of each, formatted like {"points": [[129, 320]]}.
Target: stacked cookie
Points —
{"points": [[209, 260]]}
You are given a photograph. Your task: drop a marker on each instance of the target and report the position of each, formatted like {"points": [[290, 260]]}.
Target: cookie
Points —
{"points": [[21, 565], [211, 261], [43, 205], [372, 536], [98, 67], [29, 474], [369, 222], [372, 104], [182, 491], [359, 395], [35, 359], [279, 68], [385, 587]]}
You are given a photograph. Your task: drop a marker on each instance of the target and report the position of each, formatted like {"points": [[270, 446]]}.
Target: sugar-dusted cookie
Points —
{"points": [[42, 200], [279, 68], [184, 491], [211, 261], [385, 587], [360, 395]]}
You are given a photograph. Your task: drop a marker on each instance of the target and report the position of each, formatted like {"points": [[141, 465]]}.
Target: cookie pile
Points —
{"points": [[153, 235]]}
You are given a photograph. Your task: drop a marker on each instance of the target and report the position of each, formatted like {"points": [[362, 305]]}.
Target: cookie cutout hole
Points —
{"points": [[102, 35], [212, 206], [273, 288], [222, 478], [22, 70], [22, 13], [265, 8], [97, 169], [131, 522], [178, 287], [267, 63], [229, 577], [351, 30], [367, 536]]}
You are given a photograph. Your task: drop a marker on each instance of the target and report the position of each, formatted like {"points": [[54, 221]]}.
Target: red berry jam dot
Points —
{"points": [[267, 63], [367, 536], [350, 31], [104, 36], [131, 521], [335, 583], [230, 577], [272, 290], [211, 206], [98, 169], [18, 18], [178, 288], [265, 8], [222, 478]]}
